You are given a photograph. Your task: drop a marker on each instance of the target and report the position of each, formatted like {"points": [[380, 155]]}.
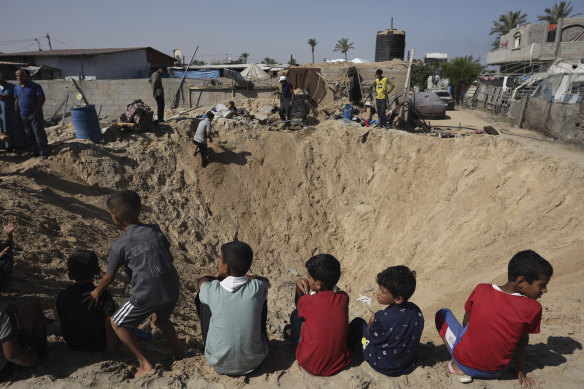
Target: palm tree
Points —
{"points": [[243, 57], [558, 11], [506, 23], [312, 42], [343, 46]]}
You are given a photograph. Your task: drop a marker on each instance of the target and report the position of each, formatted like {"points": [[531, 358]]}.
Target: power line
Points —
{"points": [[63, 43]]}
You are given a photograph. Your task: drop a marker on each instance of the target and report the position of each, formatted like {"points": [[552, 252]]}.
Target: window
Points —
{"points": [[577, 88], [517, 40]]}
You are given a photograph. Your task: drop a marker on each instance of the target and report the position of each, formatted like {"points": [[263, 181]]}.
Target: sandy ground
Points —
{"points": [[455, 210]]}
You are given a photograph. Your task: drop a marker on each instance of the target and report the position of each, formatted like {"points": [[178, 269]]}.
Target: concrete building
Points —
{"points": [[534, 47], [96, 64], [438, 58]]}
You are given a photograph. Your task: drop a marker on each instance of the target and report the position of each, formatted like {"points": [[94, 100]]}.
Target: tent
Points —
{"points": [[254, 71]]}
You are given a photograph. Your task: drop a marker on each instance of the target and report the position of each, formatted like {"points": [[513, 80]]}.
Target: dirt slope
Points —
{"points": [[455, 210]]}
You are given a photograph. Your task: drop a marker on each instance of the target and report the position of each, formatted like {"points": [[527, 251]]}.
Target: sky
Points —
{"points": [[276, 29]]}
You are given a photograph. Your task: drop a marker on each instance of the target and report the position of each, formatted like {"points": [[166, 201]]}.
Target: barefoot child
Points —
{"points": [[320, 325], [390, 342], [497, 321], [84, 328], [144, 252], [233, 311]]}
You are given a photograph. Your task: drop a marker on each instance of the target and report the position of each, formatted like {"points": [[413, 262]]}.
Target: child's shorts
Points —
{"points": [[131, 316], [452, 331]]}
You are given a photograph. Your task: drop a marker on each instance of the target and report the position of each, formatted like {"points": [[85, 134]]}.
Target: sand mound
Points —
{"points": [[454, 210]]}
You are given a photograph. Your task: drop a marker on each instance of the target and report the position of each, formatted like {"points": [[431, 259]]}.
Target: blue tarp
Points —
{"points": [[196, 73]]}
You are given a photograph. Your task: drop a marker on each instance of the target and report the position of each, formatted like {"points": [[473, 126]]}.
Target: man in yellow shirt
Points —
{"points": [[381, 94]]}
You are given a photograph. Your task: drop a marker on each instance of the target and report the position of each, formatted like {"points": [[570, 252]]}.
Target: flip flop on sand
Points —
{"points": [[465, 379]]}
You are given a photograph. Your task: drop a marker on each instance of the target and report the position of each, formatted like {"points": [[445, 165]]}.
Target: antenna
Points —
{"points": [[38, 43]]}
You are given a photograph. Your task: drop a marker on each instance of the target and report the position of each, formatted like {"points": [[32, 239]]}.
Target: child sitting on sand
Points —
{"points": [[23, 336], [144, 251], [85, 329], [320, 325], [391, 340], [233, 312], [497, 321], [6, 255]]}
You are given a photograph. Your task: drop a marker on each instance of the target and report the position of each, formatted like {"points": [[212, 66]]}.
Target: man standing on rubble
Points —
{"points": [[381, 94], [286, 100], [29, 98], [158, 91]]}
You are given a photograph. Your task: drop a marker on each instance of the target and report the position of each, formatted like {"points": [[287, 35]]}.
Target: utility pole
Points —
{"points": [[49, 39], [38, 43]]}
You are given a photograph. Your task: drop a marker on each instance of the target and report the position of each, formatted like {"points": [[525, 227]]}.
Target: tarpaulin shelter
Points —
{"points": [[196, 74], [308, 79], [253, 71]]}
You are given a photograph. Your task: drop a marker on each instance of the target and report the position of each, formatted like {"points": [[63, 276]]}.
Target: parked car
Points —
{"points": [[428, 106], [446, 97]]}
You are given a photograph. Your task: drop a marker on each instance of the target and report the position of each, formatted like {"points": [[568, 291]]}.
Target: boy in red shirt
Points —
{"points": [[320, 325], [497, 321]]}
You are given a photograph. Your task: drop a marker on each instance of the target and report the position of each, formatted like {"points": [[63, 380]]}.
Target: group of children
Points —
{"points": [[232, 308]]}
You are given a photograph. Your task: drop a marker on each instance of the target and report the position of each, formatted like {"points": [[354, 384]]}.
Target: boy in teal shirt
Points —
{"points": [[233, 311]]}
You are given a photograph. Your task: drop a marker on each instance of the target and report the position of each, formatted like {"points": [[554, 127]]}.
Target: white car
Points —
{"points": [[446, 97]]}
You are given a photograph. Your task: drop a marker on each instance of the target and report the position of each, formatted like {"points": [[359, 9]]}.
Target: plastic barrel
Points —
{"points": [[86, 123], [348, 112]]}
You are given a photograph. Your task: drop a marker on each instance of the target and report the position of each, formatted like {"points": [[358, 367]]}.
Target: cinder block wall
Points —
{"points": [[111, 97]]}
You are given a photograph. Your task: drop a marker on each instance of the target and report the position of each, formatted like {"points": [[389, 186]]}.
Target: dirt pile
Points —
{"points": [[454, 210]]}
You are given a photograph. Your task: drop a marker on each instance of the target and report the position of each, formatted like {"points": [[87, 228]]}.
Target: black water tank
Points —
{"points": [[390, 44]]}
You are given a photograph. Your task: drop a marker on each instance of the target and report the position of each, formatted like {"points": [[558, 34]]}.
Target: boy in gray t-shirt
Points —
{"points": [[233, 311], [145, 254]]}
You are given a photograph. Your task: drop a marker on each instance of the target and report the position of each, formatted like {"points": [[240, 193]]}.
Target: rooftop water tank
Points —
{"points": [[390, 44]]}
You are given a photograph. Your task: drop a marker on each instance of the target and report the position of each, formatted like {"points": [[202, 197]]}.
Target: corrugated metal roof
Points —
{"points": [[66, 52]]}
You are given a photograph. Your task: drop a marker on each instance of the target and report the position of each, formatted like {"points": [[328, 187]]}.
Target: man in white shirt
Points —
{"points": [[200, 139]]}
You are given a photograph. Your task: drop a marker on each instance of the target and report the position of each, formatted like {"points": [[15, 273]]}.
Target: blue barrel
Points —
{"points": [[86, 123], [348, 112]]}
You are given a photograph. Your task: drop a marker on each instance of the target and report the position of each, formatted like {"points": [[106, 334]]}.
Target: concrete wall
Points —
{"points": [[126, 64], [121, 65], [111, 96], [543, 50], [560, 121]]}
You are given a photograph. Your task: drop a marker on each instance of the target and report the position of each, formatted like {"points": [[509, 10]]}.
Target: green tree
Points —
{"points": [[343, 46], [312, 43], [243, 57], [461, 71], [292, 61], [420, 73], [269, 61], [506, 23], [558, 11]]}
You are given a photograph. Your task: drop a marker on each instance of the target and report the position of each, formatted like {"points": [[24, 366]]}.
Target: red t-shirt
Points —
{"points": [[323, 348], [498, 320]]}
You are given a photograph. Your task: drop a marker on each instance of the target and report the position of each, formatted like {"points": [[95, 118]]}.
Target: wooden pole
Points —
{"points": [[176, 96], [407, 86], [64, 109], [80, 91]]}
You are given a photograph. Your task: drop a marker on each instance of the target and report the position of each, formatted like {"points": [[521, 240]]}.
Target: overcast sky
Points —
{"points": [[274, 29]]}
